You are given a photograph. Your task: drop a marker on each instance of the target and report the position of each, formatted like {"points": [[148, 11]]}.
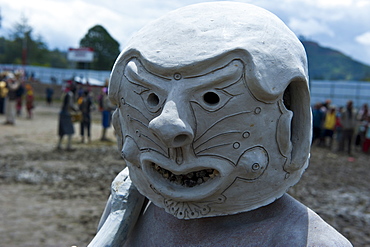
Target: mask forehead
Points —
{"points": [[204, 31], [136, 73]]}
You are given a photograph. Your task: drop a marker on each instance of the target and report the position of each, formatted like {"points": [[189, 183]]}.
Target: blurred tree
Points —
{"points": [[58, 59], [22, 39], [23, 48], [106, 49]]}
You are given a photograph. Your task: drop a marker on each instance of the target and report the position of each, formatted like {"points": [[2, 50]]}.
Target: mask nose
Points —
{"points": [[173, 131]]}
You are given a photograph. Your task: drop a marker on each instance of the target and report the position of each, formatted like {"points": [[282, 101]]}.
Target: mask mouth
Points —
{"points": [[191, 179]]}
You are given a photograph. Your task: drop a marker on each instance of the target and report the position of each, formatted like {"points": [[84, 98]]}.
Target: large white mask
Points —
{"points": [[213, 109]]}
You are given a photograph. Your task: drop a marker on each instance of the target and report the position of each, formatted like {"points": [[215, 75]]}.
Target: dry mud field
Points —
{"points": [[55, 198]]}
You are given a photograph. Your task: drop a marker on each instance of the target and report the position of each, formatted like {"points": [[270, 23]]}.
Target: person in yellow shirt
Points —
{"points": [[29, 100], [3, 94], [329, 126]]}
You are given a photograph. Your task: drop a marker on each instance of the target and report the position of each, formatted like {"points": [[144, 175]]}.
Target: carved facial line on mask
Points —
{"points": [[194, 134]]}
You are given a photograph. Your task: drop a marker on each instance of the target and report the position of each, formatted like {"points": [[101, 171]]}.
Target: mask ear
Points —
{"points": [[284, 131], [297, 100], [117, 127]]}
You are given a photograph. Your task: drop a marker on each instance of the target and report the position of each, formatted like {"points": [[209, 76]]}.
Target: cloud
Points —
{"points": [[326, 3], [340, 24], [309, 27], [363, 39], [332, 3]]}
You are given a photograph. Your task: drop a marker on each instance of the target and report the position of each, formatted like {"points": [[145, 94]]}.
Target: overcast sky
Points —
{"points": [[339, 24]]}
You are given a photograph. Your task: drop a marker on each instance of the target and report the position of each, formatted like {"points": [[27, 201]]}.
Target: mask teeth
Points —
{"points": [[190, 179]]}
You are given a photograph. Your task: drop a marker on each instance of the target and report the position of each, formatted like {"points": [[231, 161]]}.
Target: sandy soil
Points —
{"points": [[55, 198], [50, 197]]}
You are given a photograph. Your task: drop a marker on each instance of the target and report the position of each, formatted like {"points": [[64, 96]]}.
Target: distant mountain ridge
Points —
{"points": [[329, 64]]}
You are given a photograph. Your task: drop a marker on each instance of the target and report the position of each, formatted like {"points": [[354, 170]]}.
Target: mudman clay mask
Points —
{"points": [[213, 109]]}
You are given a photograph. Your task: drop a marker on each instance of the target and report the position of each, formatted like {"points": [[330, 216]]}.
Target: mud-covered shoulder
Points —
{"points": [[322, 234]]}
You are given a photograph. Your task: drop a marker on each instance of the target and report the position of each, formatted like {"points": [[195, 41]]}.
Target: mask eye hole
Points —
{"points": [[153, 100], [211, 98]]}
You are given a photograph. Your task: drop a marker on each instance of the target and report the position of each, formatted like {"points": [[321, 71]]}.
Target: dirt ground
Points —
{"points": [[55, 198]]}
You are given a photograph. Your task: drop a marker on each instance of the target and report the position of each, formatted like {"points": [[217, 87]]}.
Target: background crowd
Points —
{"points": [[77, 103], [14, 92], [345, 126]]}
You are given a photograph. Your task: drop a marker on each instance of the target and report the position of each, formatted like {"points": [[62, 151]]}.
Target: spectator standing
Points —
{"points": [[65, 119], [10, 103], [366, 144], [317, 118], [348, 120], [325, 106], [85, 105], [29, 100], [107, 108], [329, 126], [362, 117], [49, 95], [363, 113], [3, 94], [338, 125], [19, 97]]}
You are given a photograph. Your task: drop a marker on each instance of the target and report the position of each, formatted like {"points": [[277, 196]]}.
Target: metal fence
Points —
{"points": [[339, 92], [58, 76]]}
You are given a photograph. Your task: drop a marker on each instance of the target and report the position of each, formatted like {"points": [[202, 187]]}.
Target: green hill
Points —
{"points": [[328, 64]]}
